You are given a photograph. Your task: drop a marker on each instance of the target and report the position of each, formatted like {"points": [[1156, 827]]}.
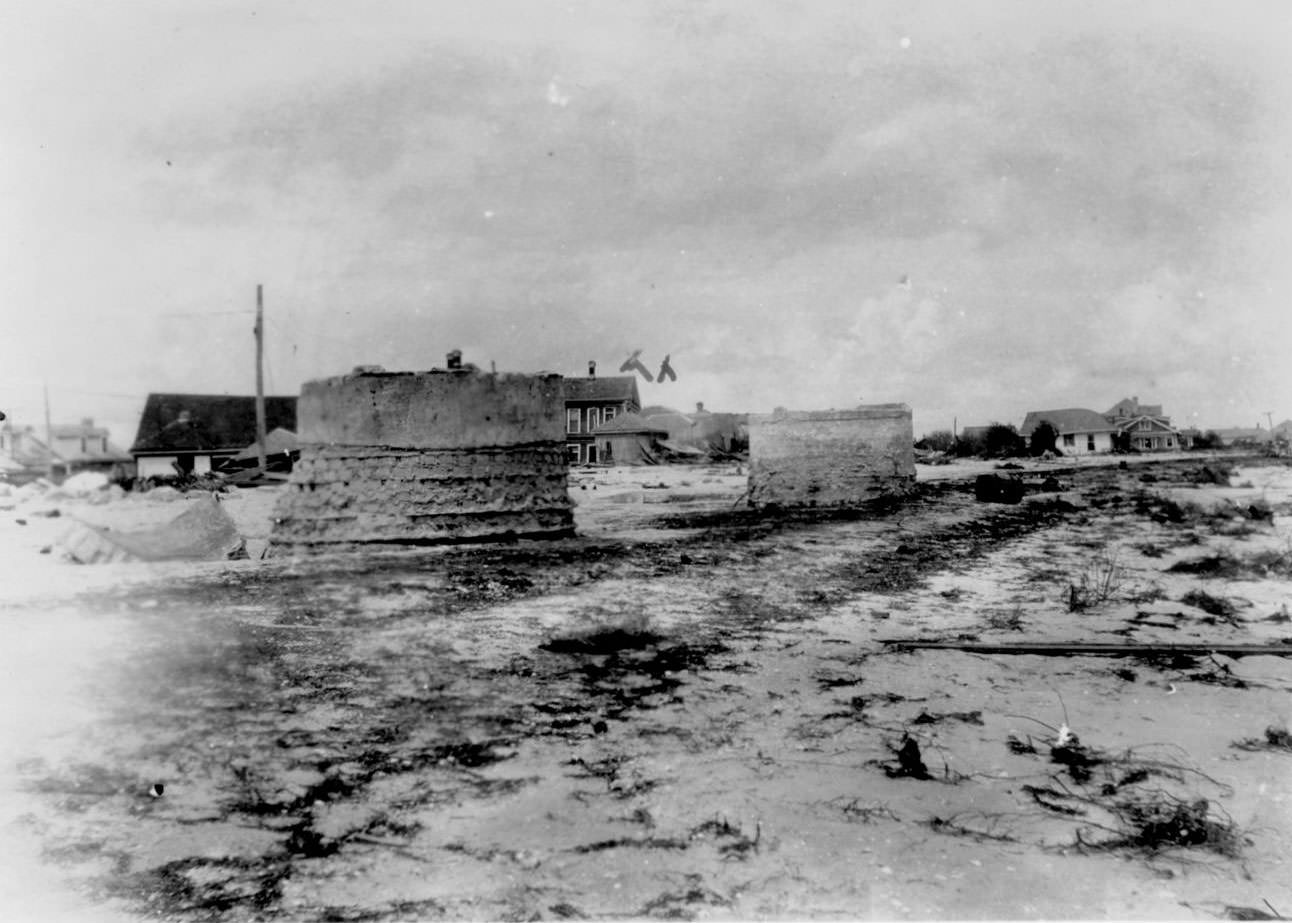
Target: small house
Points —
{"points": [[1080, 431], [193, 433], [629, 439]]}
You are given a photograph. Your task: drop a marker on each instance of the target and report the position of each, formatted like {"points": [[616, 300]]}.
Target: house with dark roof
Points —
{"points": [[1081, 431], [193, 433], [590, 402], [1128, 424]]}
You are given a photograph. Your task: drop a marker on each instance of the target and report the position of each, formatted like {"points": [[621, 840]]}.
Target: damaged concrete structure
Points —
{"points": [[830, 458], [414, 458]]}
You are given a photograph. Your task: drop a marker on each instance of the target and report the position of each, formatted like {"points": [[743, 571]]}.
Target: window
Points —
{"points": [[1090, 443], [572, 452], [607, 414], [593, 419], [572, 420], [1145, 425], [592, 454], [1169, 442], [1069, 440]]}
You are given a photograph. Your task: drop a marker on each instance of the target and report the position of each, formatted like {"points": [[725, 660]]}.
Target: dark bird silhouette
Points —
{"points": [[633, 364], [666, 369]]}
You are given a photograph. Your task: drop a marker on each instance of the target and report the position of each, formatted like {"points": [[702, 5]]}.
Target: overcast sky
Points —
{"points": [[1088, 201]]}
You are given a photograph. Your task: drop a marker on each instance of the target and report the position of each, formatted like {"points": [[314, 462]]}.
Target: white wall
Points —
{"points": [[1080, 443], [153, 466]]}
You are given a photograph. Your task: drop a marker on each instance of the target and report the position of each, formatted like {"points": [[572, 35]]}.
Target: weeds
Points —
{"points": [[1098, 583], [1212, 605], [1129, 801], [1276, 738]]}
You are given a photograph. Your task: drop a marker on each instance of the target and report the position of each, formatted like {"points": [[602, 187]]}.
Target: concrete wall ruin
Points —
{"points": [[424, 458], [830, 458]]}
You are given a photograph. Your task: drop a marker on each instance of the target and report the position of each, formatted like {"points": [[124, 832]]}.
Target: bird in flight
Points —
{"points": [[666, 369], [632, 363]]}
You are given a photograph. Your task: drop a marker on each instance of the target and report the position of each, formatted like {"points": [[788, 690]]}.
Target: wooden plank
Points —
{"points": [[1077, 649]]}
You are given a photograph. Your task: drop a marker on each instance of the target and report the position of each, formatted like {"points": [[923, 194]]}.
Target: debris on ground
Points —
{"points": [[204, 532], [1276, 737]]}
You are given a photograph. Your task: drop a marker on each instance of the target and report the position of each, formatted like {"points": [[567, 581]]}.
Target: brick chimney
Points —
{"points": [[592, 368], [699, 406], [454, 359]]}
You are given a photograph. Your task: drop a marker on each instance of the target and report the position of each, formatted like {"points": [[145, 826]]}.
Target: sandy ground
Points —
{"points": [[686, 712]]}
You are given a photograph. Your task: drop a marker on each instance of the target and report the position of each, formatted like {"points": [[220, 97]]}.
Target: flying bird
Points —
{"points": [[633, 364], [666, 369]]}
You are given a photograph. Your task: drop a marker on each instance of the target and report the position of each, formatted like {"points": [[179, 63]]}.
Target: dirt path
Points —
{"points": [[687, 713]]}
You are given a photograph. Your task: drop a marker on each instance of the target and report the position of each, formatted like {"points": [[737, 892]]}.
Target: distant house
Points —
{"points": [[1241, 436], [192, 433], [629, 439], [23, 455], [710, 433], [1144, 427], [1128, 424], [76, 447], [1081, 431], [85, 447], [590, 402]]}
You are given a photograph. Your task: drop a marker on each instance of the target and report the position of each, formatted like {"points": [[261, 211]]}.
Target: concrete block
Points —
{"points": [[830, 458]]}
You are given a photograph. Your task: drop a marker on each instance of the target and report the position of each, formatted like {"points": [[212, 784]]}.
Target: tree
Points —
{"points": [[1003, 441], [937, 441], [1045, 438]]}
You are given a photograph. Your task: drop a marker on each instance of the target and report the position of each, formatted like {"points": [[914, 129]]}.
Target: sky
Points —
{"points": [[975, 209]]}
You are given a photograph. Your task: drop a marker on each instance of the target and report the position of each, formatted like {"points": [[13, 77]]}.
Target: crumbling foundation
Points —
{"points": [[419, 458], [830, 458]]}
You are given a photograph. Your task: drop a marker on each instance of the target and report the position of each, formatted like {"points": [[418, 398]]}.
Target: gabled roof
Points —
{"points": [[207, 422], [614, 388], [1068, 420], [1131, 407], [629, 423], [1131, 424]]}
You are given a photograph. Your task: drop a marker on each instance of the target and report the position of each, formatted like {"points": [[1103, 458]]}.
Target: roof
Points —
{"points": [[614, 388], [1131, 424], [1131, 407], [1068, 420], [76, 430], [207, 422], [629, 423], [277, 441]]}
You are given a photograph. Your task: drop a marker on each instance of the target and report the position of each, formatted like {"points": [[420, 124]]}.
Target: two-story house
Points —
{"points": [[1143, 427], [591, 401]]}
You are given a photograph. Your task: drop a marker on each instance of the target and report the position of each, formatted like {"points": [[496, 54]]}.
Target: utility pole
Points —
{"points": [[260, 376], [49, 435]]}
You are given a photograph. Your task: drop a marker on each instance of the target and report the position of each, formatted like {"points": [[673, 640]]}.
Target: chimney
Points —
{"points": [[454, 359], [87, 422], [592, 368], [699, 406]]}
